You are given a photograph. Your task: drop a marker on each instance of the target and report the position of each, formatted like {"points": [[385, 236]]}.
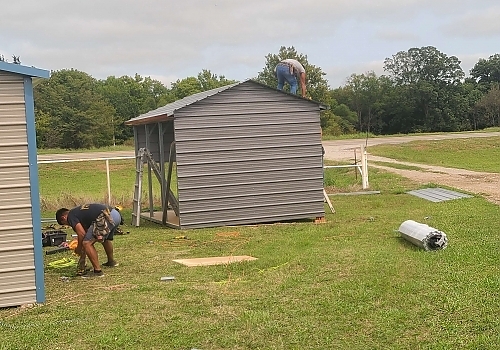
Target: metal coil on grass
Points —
{"points": [[423, 235]]}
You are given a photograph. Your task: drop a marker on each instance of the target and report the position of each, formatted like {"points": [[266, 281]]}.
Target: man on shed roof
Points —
{"points": [[289, 70]]}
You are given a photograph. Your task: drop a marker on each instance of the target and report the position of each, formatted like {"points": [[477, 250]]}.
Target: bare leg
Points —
{"points": [[92, 254], [81, 261], [108, 248]]}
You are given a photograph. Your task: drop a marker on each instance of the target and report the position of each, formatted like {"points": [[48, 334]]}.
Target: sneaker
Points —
{"points": [[81, 272], [111, 263], [93, 274]]}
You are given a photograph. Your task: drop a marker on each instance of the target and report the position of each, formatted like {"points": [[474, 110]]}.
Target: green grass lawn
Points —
{"points": [[479, 154], [70, 184], [351, 283]]}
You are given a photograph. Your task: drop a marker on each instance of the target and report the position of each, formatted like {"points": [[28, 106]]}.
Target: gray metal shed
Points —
{"points": [[21, 259], [243, 153]]}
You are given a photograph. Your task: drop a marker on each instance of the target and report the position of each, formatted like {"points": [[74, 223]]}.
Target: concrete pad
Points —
{"points": [[217, 260]]}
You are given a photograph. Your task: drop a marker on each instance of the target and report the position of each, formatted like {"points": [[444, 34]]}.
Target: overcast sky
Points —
{"points": [[173, 39]]}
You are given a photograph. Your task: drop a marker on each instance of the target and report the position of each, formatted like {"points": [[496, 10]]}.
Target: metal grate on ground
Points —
{"points": [[438, 194]]}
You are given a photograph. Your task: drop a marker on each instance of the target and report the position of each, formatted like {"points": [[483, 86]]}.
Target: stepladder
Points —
{"points": [[168, 198], [136, 201]]}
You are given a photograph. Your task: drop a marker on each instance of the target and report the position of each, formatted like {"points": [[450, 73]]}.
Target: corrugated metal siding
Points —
{"points": [[248, 155], [153, 139], [17, 267]]}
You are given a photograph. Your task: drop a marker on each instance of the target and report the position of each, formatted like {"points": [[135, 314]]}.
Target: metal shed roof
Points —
{"points": [[24, 70], [169, 109]]}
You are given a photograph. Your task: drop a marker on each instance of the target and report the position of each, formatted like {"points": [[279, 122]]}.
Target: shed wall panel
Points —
{"points": [[203, 168], [12, 176], [255, 188], [12, 114], [245, 142], [247, 155], [251, 154], [9, 157], [16, 297], [254, 215], [246, 108], [17, 266], [152, 141], [248, 176], [243, 120], [257, 130], [214, 204]]}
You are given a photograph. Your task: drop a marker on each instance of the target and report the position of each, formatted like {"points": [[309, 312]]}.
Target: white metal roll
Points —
{"points": [[423, 235]]}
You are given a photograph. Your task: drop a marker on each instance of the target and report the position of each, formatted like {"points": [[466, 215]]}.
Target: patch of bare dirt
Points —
{"points": [[480, 183]]}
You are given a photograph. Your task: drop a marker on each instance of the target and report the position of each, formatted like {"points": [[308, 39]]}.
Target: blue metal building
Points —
{"points": [[21, 259]]}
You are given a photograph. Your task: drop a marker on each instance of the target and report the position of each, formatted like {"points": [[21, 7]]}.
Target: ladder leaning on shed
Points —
{"points": [[143, 155]]}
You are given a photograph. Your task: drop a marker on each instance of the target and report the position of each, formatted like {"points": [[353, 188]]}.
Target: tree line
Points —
{"points": [[423, 90], [74, 110]]}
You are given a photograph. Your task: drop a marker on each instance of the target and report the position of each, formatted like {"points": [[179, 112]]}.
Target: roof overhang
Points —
{"points": [[24, 70], [150, 120]]}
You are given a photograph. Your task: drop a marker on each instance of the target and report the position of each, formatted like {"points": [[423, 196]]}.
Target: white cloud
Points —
{"points": [[339, 74], [175, 39], [394, 34], [473, 24]]}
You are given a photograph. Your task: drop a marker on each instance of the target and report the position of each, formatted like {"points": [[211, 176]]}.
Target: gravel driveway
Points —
{"points": [[480, 183]]}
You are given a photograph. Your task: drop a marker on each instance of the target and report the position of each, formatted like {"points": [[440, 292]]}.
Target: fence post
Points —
{"points": [[109, 184], [364, 168]]}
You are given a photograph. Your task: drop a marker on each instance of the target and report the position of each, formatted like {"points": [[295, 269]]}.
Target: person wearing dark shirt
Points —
{"points": [[82, 220]]}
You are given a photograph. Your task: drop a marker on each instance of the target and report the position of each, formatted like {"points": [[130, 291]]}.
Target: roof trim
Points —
{"points": [[321, 106], [24, 70]]}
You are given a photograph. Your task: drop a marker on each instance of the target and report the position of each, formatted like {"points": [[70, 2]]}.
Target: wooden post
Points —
{"points": [[327, 199], [109, 184], [364, 167]]}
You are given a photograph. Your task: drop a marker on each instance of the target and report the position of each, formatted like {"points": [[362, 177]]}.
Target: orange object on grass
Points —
{"points": [[73, 244]]}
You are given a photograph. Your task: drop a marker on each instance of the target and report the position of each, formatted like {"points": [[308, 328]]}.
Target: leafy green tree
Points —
{"points": [[205, 80], [424, 64], [131, 97], [486, 72], [209, 81], [432, 80], [45, 135], [185, 87], [473, 95], [156, 94], [489, 105], [71, 112], [363, 91]]}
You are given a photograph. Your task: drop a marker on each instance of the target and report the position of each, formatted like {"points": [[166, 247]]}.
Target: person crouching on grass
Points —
{"points": [[92, 223]]}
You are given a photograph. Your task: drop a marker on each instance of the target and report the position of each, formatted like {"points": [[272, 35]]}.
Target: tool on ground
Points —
{"points": [[53, 237], [63, 247]]}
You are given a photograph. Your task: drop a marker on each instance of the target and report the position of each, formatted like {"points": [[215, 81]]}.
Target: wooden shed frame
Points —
{"points": [[212, 136], [21, 253]]}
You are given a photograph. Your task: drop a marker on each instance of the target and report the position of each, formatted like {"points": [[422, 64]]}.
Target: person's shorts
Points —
{"points": [[115, 214]]}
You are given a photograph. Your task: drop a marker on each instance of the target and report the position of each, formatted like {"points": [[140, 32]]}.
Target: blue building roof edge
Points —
{"points": [[24, 70]]}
